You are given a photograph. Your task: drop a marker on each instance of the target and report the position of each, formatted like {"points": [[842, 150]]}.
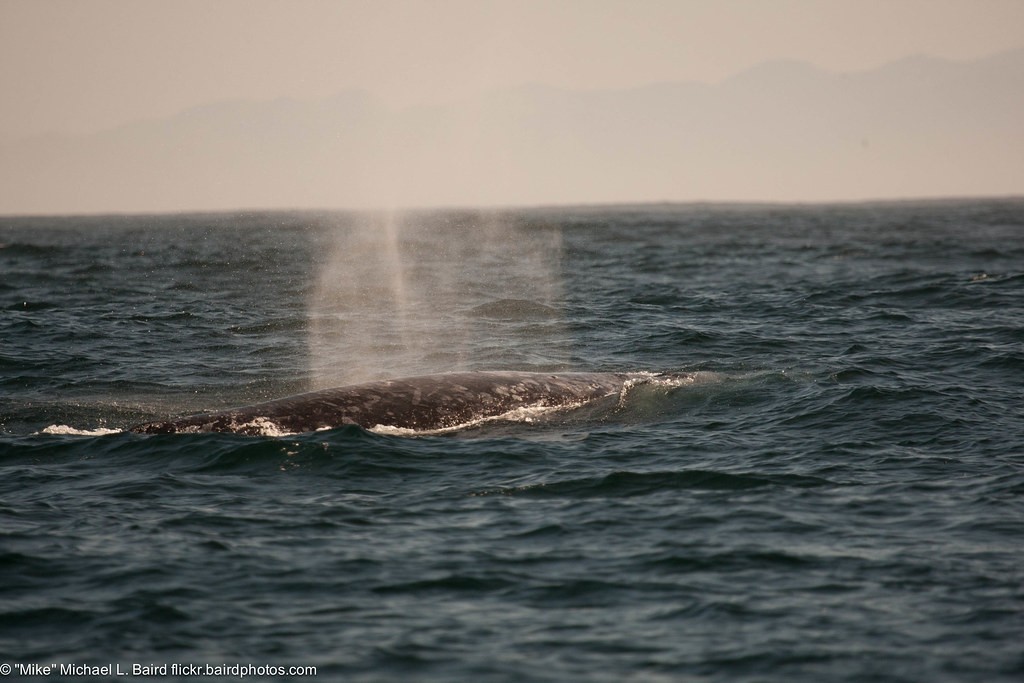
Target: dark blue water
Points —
{"points": [[840, 497]]}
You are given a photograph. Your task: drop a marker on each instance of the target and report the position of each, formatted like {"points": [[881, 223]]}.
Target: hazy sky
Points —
{"points": [[83, 65]]}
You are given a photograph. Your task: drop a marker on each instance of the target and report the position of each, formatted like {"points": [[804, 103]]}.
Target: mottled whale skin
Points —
{"points": [[424, 403]]}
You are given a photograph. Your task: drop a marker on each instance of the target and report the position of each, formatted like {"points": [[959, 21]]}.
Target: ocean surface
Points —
{"points": [[837, 496]]}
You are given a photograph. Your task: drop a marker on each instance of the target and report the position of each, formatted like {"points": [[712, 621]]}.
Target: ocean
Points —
{"points": [[837, 495]]}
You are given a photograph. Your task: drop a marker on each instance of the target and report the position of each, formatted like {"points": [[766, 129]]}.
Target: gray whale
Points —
{"points": [[424, 403]]}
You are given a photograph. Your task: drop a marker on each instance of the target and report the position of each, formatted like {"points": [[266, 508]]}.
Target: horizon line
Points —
{"points": [[512, 208]]}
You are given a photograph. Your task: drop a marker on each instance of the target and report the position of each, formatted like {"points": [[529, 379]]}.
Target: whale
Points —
{"points": [[423, 403]]}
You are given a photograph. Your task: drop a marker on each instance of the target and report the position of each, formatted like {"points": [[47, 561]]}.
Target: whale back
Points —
{"points": [[424, 403]]}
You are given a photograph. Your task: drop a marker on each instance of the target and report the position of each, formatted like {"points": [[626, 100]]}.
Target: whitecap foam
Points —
{"points": [[65, 430], [261, 426], [676, 379], [389, 430], [657, 382], [524, 414]]}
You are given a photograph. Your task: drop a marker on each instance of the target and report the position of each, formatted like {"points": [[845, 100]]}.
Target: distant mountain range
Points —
{"points": [[782, 131]]}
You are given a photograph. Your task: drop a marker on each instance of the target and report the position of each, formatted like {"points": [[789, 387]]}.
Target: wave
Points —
{"points": [[629, 484]]}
